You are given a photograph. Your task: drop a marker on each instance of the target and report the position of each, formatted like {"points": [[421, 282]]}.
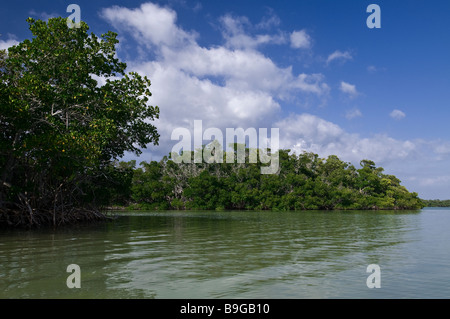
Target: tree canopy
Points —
{"points": [[303, 182], [68, 109]]}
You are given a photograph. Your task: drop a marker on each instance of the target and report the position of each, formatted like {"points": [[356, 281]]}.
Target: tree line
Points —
{"points": [[303, 182], [437, 202]]}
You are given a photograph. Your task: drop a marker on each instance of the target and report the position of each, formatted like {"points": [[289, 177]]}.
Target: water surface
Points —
{"points": [[314, 254]]}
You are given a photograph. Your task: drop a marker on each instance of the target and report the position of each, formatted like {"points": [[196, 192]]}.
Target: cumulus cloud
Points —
{"points": [[233, 85], [300, 39], [348, 88], [339, 55], [397, 114], [307, 132], [149, 24]]}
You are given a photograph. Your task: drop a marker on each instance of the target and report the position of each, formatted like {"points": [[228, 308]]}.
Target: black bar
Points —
{"points": [[215, 308]]}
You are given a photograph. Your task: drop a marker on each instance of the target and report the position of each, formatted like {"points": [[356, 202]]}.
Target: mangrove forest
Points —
{"points": [[303, 182], [68, 113]]}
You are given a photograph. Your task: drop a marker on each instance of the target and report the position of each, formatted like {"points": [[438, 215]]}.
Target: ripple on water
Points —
{"points": [[235, 254]]}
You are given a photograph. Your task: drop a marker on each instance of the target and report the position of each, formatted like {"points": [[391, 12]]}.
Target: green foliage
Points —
{"points": [[436, 203], [304, 182], [60, 128]]}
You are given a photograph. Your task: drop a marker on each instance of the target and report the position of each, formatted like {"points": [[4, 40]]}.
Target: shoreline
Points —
{"points": [[22, 220]]}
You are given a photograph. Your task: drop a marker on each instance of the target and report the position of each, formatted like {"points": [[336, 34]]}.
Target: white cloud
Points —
{"points": [[184, 98], [4, 45], [349, 89], [233, 85], [306, 132], [434, 181], [372, 69], [234, 25], [339, 55], [269, 21], [353, 113], [397, 114], [442, 148], [236, 35], [300, 40], [149, 24], [244, 70]]}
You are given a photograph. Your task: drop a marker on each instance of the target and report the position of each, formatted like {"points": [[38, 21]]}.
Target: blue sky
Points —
{"points": [[312, 68]]}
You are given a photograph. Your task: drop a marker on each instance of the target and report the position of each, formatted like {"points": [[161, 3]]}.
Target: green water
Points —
{"points": [[234, 255]]}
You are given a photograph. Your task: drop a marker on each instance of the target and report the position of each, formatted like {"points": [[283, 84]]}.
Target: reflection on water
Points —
{"points": [[234, 255]]}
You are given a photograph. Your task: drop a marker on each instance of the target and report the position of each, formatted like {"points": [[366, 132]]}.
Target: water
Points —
{"points": [[234, 255]]}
